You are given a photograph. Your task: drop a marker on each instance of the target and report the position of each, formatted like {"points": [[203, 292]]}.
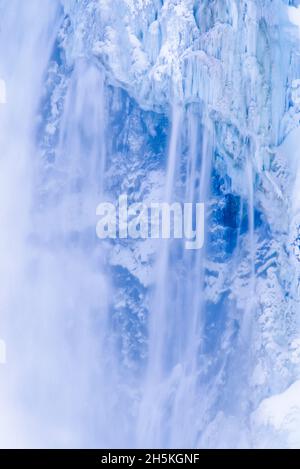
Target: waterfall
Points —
{"points": [[179, 304], [25, 47], [140, 342], [55, 321], [160, 315]]}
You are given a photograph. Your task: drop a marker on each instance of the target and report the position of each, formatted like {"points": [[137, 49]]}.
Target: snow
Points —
{"points": [[281, 413], [231, 68], [229, 59], [294, 15]]}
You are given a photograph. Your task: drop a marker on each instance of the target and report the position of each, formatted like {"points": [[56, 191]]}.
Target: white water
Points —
{"points": [[63, 343], [160, 316], [53, 293], [176, 317], [95, 364], [26, 56]]}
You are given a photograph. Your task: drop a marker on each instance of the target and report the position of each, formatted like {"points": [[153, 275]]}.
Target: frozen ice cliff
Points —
{"points": [[155, 346]]}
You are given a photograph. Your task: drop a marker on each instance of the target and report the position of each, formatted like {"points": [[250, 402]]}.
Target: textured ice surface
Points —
{"points": [[239, 62], [277, 420], [155, 347]]}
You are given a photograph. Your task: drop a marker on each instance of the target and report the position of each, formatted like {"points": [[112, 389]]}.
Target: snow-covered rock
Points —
{"points": [[277, 420]]}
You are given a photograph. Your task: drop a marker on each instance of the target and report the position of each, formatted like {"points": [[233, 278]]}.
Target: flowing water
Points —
{"points": [[53, 163], [129, 343], [54, 292]]}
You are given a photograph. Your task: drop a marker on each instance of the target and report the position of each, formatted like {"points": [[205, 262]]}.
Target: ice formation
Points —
{"points": [[139, 343]]}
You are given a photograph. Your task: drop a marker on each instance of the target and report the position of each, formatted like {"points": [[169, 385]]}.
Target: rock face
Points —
{"points": [[189, 100]]}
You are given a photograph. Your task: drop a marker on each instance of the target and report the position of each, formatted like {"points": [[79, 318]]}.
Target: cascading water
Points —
{"points": [[141, 342], [54, 357]]}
